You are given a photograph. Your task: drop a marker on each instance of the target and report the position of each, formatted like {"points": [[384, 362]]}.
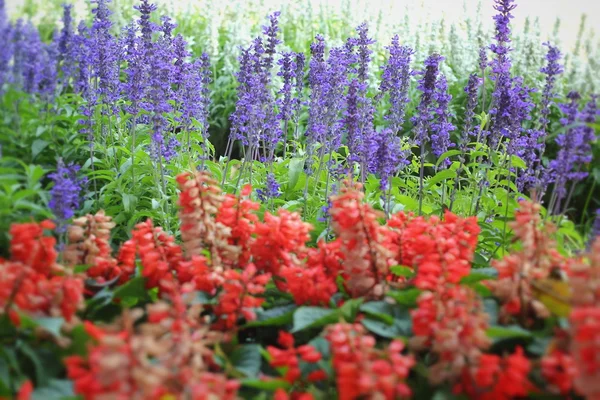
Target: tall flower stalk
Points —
{"points": [[425, 114]]}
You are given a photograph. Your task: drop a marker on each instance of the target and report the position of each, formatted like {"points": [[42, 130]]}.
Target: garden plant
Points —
{"points": [[188, 212]]}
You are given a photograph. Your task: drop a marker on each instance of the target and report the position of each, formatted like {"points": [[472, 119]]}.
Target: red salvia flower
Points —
{"points": [[239, 215], [308, 286], [559, 370], [238, 296], [364, 371], [29, 246], [280, 241], [498, 378], [364, 242], [289, 358]]}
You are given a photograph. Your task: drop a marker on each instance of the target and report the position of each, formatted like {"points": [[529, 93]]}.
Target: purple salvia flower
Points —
{"points": [[483, 59], [104, 55], [471, 90], [387, 156], [287, 72], [574, 144], [519, 110], [318, 83], [49, 72], [552, 69], [147, 27], [7, 45], [66, 55], [352, 122], [271, 32], [65, 195], [18, 57], [337, 70], [81, 51], [271, 189], [424, 112], [135, 71], [32, 65], [441, 128], [364, 52], [501, 66], [395, 81]]}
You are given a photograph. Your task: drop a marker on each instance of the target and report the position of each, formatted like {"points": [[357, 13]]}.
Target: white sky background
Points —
{"points": [[452, 10]]}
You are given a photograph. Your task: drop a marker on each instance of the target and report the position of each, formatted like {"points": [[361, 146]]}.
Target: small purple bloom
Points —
{"points": [[424, 113], [441, 128], [395, 80], [65, 195]]}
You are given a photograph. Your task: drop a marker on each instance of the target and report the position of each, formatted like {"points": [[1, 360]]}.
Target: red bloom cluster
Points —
{"points": [[558, 369], [363, 242], [451, 324], [536, 259], [362, 369], [238, 296], [585, 323], [32, 280], [498, 378], [280, 241], [289, 359], [169, 356], [159, 254], [309, 285], [238, 214], [89, 244], [440, 250]]}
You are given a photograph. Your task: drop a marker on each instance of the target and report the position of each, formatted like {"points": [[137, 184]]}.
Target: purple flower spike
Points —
{"points": [[65, 195]]}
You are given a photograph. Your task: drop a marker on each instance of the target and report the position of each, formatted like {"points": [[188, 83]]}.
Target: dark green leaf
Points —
{"points": [[508, 332], [270, 385], [401, 270], [350, 309], [313, 317], [247, 359], [406, 297], [57, 389], [276, 316]]}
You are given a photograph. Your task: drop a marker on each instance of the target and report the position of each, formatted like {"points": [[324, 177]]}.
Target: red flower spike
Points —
{"points": [[238, 296], [364, 371], [559, 370], [280, 241], [363, 241]]}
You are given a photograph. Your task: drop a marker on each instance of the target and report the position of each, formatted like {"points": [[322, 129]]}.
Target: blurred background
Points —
{"points": [[542, 12]]}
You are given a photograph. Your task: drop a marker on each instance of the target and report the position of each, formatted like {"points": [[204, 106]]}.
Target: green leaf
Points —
{"points": [[271, 385], [401, 270], [379, 310], [446, 155], [38, 368], [52, 325], [57, 389], [247, 359], [508, 332], [350, 309], [406, 297], [396, 329], [518, 162], [491, 308], [441, 176], [276, 316], [135, 288], [313, 317], [480, 274], [37, 147], [295, 169]]}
